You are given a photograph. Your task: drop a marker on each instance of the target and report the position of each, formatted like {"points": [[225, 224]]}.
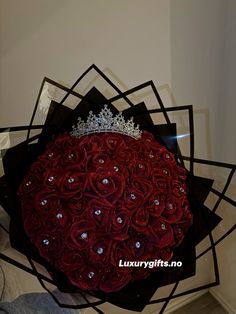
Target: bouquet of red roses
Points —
{"points": [[91, 193]]}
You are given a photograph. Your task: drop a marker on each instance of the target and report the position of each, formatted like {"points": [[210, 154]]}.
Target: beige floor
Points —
{"points": [[206, 304]]}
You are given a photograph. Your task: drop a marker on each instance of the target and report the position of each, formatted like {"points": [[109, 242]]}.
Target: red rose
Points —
{"points": [[141, 168], [75, 205], [120, 252], [107, 184], [70, 260], [63, 142], [57, 221], [163, 233], [98, 211], [81, 234], [30, 183], [50, 245], [100, 249], [120, 223], [113, 142], [75, 157], [98, 160], [85, 278], [47, 200], [91, 143], [140, 219], [72, 183], [115, 279], [156, 204], [173, 210]]}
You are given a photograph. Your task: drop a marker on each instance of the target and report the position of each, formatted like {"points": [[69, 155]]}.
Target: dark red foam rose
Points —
{"points": [[126, 156], [164, 169], [97, 160], [105, 184], [50, 245], [81, 233], [178, 188], [140, 247], [119, 253], [51, 178], [98, 211], [75, 204], [162, 232], [143, 185], [63, 142], [114, 142], [174, 209], [47, 200], [30, 184], [115, 279], [100, 249], [156, 204], [37, 169], [70, 260], [72, 183], [120, 223], [91, 143], [141, 168], [75, 158], [140, 219], [86, 277], [57, 221]]}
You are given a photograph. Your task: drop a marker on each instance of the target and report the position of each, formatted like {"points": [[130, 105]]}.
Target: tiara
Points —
{"points": [[105, 121]]}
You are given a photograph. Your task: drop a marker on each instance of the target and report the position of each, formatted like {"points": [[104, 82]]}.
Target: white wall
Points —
{"points": [[60, 39], [203, 72]]}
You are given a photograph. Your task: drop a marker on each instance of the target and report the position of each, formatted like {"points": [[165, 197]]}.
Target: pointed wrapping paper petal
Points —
{"points": [[18, 159]]}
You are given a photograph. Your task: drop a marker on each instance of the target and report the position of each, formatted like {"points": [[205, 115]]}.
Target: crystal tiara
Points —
{"points": [[105, 121]]}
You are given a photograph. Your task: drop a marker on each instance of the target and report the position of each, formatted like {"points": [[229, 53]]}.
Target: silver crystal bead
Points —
{"points": [[132, 195], [165, 171], [119, 220], [137, 244], [105, 181], [98, 212], [90, 274], [156, 202], [59, 216], [141, 166], [101, 161], [163, 226], [151, 156], [70, 156], [50, 179], [100, 250], [170, 206], [116, 168], [28, 183], [43, 202], [179, 230], [167, 156], [46, 242], [70, 180], [50, 155], [84, 235], [181, 189]]}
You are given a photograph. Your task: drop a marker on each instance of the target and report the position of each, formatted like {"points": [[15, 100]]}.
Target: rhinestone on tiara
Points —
{"points": [[105, 121]]}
